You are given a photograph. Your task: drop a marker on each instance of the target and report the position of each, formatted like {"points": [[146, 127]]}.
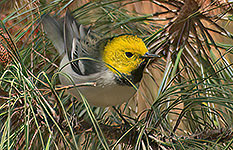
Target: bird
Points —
{"points": [[114, 64]]}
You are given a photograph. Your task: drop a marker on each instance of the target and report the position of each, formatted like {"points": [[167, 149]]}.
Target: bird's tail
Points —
{"points": [[54, 31], [65, 35]]}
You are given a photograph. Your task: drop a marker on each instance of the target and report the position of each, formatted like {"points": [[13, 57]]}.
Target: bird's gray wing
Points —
{"points": [[74, 35], [81, 42], [74, 40], [66, 37]]}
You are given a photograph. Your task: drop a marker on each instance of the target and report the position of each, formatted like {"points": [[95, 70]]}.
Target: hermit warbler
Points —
{"points": [[116, 63]]}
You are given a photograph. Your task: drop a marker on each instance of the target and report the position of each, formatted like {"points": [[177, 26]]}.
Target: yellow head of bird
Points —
{"points": [[123, 53]]}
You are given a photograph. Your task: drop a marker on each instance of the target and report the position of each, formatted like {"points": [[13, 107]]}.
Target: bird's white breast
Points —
{"points": [[105, 93]]}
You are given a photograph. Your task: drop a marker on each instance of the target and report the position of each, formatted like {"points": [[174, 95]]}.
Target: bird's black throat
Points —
{"points": [[135, 76]]}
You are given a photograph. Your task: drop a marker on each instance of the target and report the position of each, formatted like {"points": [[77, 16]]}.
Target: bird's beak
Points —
{"points": [[150, 56]]}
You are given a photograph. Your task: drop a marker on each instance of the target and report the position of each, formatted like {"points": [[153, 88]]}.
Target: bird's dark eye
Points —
{"points": [[129, 54]]}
